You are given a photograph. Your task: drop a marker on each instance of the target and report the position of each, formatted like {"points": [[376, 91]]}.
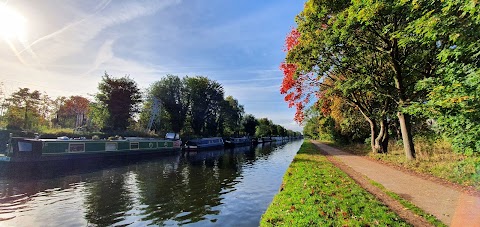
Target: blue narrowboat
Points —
{"points": [[204, 143], [239, 141]]}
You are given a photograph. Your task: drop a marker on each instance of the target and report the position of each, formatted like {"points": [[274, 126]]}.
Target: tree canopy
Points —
{"points": [[120, 97]]}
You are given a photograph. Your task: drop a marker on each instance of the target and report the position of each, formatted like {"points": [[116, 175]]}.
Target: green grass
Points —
{"points": [[316, 193], [408, 205]]}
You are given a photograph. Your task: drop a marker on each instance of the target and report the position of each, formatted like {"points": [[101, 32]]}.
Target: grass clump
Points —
{"points": [[316, 193]]}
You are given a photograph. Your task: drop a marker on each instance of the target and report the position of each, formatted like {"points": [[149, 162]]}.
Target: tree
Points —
{"points": [[121, 97], [453, 99], [264, 127], [281, 131], [173, 94], [23, 102], [233, 113], [346, 39], [249, 123], [205, 98], [56, 105], [75, 109], [99, 115]]}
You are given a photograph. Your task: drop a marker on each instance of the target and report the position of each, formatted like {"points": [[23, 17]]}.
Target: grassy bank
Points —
{"points": [[316, 193], [433, 157]]}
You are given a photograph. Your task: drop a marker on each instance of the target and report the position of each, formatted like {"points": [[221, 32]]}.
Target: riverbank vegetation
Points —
{"points": [[192, 106], [401, 77], [381, 71], [316, 193]]}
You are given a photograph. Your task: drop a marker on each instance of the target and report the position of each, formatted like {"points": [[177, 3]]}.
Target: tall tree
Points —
{"points": [[453, 98], [233, 113], [264, 127], [56, 105], [121, 97], [206, 97], [25, 102], [172, 92], [249, 123], [347, 38], [75, 108]]}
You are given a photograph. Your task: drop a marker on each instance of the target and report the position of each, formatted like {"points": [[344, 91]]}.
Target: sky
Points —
{"points": [[65, 47]]}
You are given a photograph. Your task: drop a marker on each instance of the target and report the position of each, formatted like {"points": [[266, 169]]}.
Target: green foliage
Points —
{"points": [[23, 109], [121, 97], [453, 97], [264, 127], [206, 99], [249, 123], [173, 93], [316, 193], [233, 113]]}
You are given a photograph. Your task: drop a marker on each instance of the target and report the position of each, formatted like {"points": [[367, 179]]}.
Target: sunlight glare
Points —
{"points": [[12, 24]]}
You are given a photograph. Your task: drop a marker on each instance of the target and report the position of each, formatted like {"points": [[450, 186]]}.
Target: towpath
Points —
{"points": [[451, 206]]}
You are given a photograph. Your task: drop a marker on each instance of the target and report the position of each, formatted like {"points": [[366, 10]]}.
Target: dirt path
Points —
{"points": [[449, 205]]}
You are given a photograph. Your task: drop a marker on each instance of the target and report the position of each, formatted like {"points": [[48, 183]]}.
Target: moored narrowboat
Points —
{"points": [[63, 148], [238, 141], [204, 143]]}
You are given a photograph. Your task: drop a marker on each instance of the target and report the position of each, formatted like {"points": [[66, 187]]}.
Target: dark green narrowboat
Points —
{"points": [[34, 150]]}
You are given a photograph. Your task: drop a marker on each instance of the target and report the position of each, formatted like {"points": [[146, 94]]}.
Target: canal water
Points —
{"points": [[228, 187]]}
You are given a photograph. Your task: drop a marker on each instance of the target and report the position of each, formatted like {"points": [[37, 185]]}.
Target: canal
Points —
{"points": [[228, 187]]}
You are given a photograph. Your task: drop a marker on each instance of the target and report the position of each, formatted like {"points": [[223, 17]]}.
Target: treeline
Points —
{"points": [[192, 106], [385, 70]]}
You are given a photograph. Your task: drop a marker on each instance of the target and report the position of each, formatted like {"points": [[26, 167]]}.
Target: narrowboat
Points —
{"points": [[63, 148], [204, 143], [240, 141], [267, 139]]}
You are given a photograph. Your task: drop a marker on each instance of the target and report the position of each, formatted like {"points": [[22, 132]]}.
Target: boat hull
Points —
{"points": [[204, 143], [32, 150]]}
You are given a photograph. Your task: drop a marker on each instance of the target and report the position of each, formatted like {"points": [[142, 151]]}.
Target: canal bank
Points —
{"points": [[316, 193]]}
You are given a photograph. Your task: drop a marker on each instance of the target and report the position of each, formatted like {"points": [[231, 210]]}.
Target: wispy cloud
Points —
{"points": [[73, 38]]}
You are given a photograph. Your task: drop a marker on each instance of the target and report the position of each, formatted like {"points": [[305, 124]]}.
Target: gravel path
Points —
{"points": [[449, 205]]}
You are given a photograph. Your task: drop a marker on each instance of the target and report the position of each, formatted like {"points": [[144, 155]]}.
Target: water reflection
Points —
{"points": [[188, 188]]}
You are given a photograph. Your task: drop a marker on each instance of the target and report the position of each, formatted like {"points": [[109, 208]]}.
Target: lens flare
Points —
{"points": [[12, 24]]}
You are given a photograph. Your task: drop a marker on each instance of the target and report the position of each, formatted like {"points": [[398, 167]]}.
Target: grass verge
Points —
{"points": [[316, 193]]}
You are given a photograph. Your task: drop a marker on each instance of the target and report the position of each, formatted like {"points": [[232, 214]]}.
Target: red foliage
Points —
{"points": [[288, 82], [292, 39], [75, 105], [296, 87]]}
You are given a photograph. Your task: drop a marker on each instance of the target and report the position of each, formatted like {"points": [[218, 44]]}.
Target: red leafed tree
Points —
{"points": [[296, 87], [75, 107]]}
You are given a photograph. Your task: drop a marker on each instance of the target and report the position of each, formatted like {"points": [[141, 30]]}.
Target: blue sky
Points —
{"points": [[69, 44]]}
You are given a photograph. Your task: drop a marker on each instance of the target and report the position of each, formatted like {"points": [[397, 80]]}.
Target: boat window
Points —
{"points": [[24, 146], [134, 146], [77, 147], [111, 146]]}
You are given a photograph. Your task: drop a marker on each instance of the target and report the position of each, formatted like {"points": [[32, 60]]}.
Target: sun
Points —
{"points": [[12, 24]]}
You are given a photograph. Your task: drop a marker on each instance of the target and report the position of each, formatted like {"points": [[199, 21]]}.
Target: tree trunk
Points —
{"points": [[25, 117], [373, 134], [406, 129], [381, 141]]}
